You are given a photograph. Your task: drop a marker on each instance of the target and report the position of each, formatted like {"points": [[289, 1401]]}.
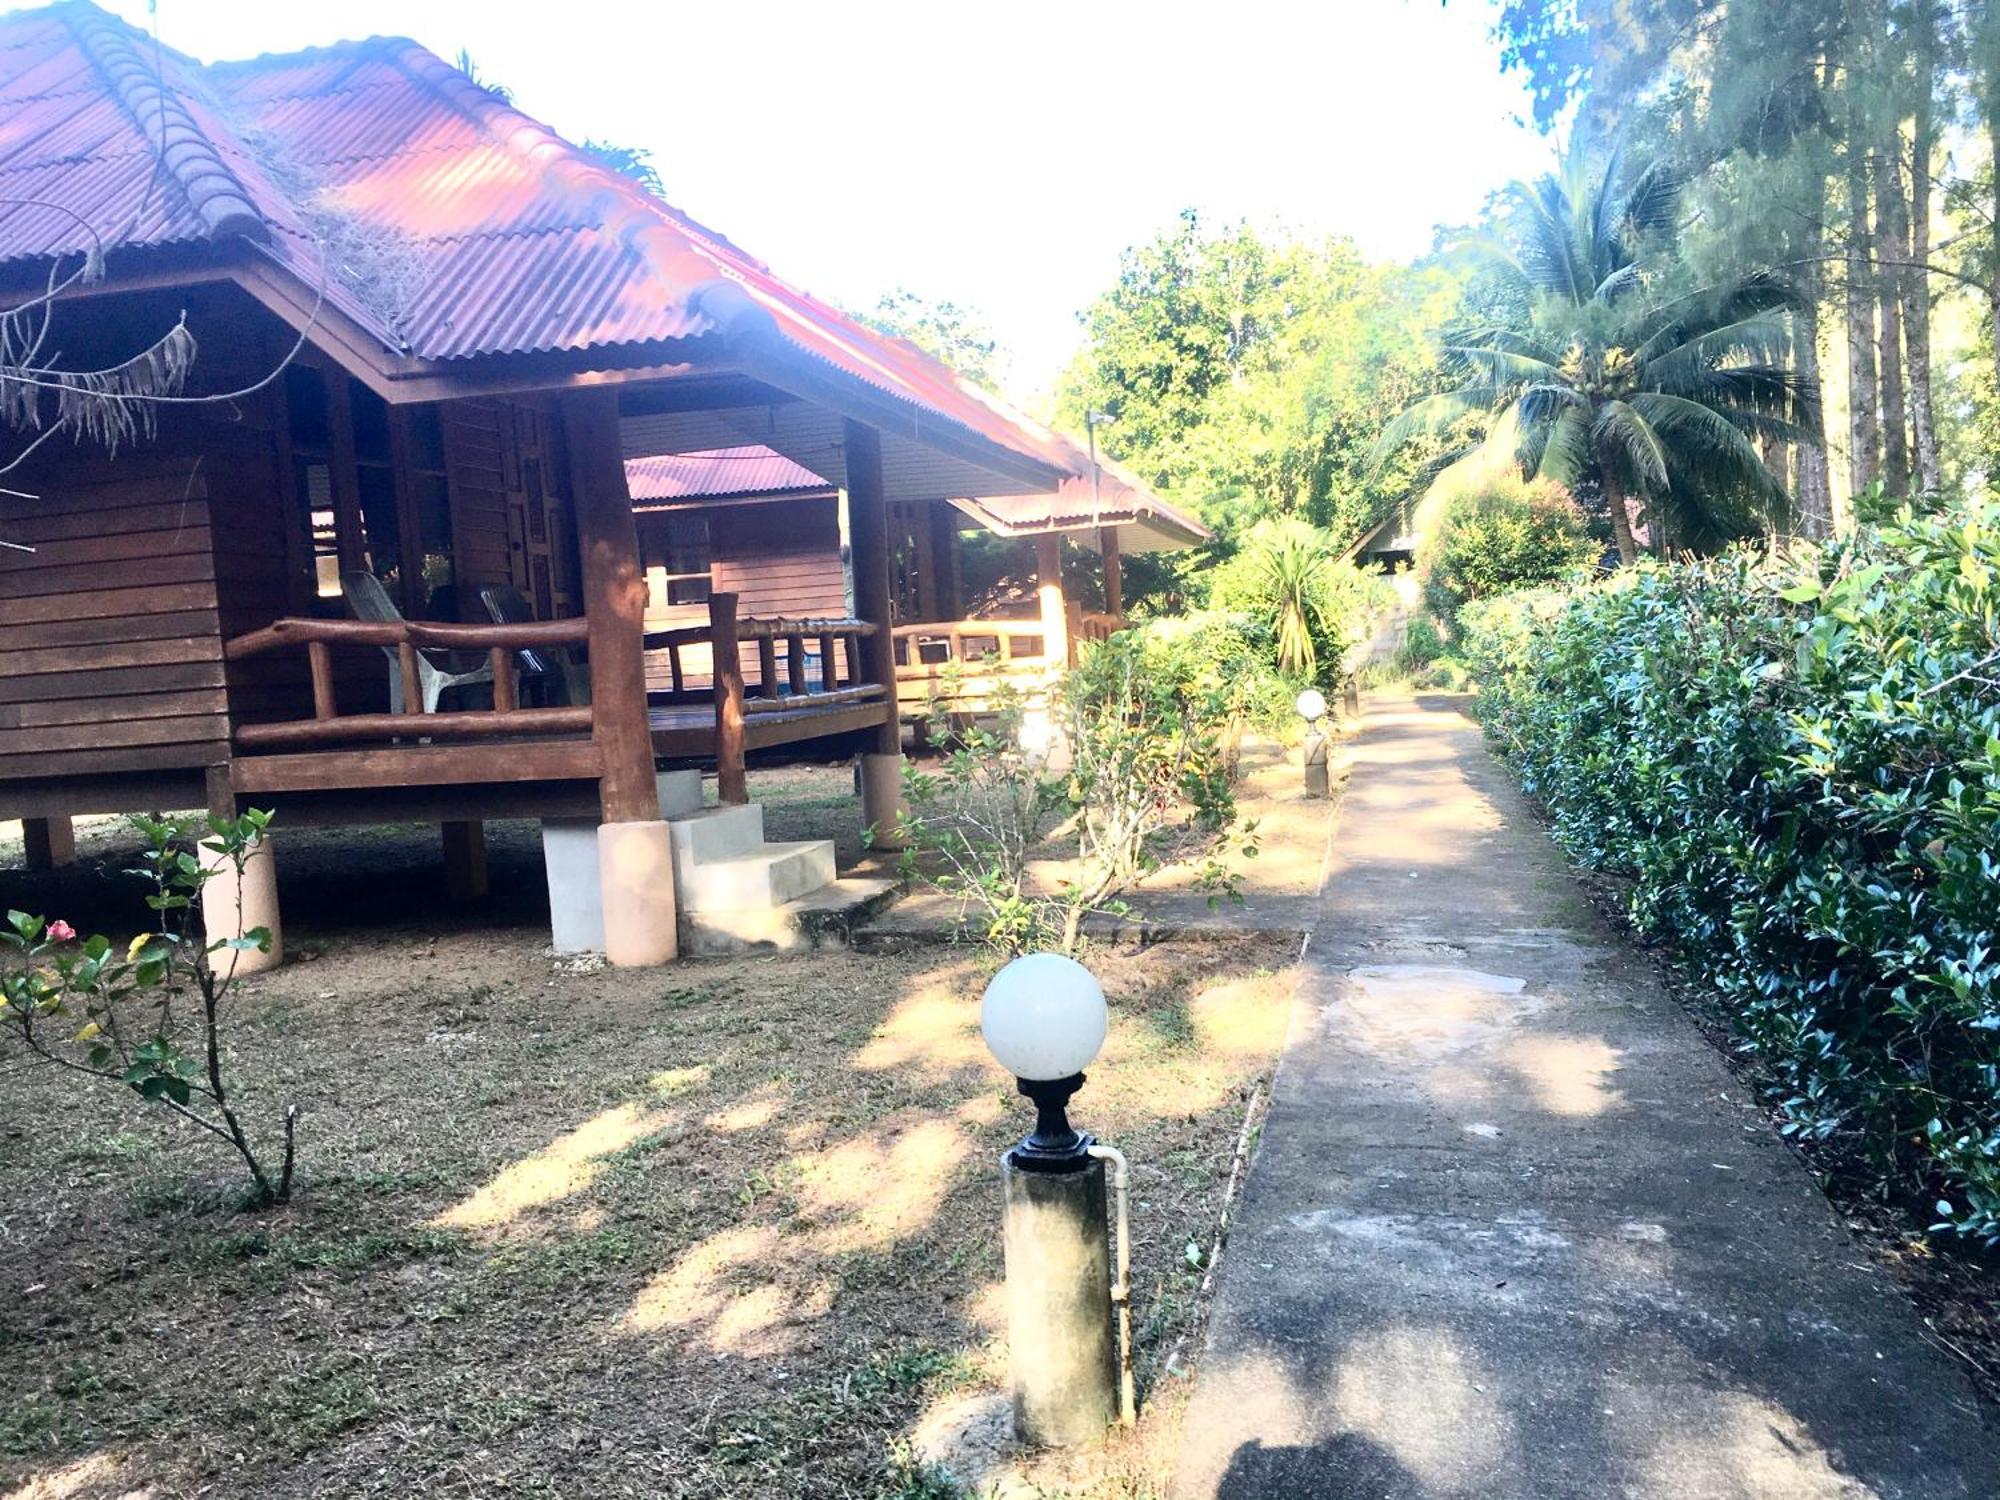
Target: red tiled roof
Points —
{"points": [[444, 222], [720, 473]]}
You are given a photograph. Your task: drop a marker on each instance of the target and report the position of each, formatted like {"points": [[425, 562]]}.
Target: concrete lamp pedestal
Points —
{"points": [[1063, 1366], [635, 863], [233, 906]]}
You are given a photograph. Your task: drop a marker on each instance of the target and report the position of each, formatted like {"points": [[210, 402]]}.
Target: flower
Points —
{"points": [[61, 932]]}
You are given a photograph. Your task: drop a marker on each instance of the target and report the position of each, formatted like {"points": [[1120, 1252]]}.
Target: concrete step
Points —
{"points": [[769, 877], [716, 833], [825, 918], [680, 793]]}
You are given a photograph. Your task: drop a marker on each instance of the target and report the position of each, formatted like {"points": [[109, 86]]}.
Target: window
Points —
{"points": [[687, 559]]}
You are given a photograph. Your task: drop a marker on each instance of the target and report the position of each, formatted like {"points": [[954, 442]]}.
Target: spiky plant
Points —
{"points": [[1292, 560], [1597, 373]]}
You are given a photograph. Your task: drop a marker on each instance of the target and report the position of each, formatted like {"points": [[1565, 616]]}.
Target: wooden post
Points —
{"points": [[634, 846], [1114, 571], [409, 525], [795, 664], [944, 558], [350, 541], [767, 667], [464, 860], [500, 661], [731, 785], [1049, 591], [874, 656], [614, 604], [320, 657], [50, 842]]}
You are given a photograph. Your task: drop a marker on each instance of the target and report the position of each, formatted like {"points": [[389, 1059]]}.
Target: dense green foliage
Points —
{"points": [[1797, 767], [1246, 375], [1601, 374], [1505, 534]]}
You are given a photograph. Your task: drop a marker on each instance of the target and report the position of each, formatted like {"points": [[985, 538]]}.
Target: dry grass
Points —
{"points": [[726, 1228]]}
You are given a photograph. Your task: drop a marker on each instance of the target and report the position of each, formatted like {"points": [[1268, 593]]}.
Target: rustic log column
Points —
{"points": [[868, 539], [725, 669], [50, 842], [1114, 571], [464, 859], [343, 475], [1049, 591], [635, 853]]}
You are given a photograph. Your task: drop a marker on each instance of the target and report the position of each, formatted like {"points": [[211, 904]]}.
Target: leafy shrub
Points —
{"points": [[1146, 721], [149, 1017], [1797, 766], [1508, 534], [1289, 578], [1423, 644]]}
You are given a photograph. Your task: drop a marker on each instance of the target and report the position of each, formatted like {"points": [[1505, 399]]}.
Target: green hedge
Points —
{"points": [[1797, 767]]}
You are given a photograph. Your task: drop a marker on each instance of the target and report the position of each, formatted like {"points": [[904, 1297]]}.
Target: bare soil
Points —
{"points": [[724, 1228]]}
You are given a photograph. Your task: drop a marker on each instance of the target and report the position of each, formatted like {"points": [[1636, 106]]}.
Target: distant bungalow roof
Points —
{"points": [[753, 472], [430, 230]]}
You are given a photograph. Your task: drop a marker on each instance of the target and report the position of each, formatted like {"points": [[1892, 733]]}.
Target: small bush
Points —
{"points": [[1509, 534], [1797, 767], [1423, 644]]}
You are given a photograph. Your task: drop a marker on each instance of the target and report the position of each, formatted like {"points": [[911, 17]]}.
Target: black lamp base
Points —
{"points": [[1054, 1146]]}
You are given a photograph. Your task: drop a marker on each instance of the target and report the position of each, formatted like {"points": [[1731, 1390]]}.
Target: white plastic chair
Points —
{"points": [[368, 600]]}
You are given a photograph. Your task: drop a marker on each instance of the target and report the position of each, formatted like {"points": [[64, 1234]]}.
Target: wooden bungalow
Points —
{"points": [[387, 564], [751, 522]]}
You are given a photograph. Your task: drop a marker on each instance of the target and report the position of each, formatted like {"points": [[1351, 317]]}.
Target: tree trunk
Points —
{"points": [[1621, 518], [1892, 229], [1916, 280], [1864, 433], [1812, 493]]}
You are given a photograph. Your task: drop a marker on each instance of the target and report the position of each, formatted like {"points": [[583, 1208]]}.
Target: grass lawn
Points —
{"points": [[724, 1228]]}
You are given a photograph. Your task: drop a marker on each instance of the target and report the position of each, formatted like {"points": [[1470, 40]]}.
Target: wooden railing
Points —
{"points": [[778, 691], [406, 638], [966, 661], [788, 688]]}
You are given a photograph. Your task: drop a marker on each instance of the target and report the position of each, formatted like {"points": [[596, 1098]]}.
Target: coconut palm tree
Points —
{"points": [[1595, 372]]}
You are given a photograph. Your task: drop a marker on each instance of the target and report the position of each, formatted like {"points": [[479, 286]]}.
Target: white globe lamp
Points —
{"points": [[1044, 1020], [1311, 705]]}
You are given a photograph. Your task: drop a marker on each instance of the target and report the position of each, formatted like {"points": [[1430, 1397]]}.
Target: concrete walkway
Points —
{"points": [[1514, 1230]]}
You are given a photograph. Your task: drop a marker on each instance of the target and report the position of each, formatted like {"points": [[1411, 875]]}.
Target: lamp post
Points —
{"points": [[1044, 1019], [1311, 705]]}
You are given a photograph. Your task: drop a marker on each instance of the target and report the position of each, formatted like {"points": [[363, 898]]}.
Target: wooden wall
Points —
{"points": [[112, 656]]}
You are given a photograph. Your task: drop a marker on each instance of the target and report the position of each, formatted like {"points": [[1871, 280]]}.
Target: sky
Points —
{"points": [[996, 155]]}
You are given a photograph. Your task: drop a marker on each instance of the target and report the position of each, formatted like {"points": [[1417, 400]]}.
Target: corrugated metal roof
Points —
{"points": [[433, 213], [720, 473]]}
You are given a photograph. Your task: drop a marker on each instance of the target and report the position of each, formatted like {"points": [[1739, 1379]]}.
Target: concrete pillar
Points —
{"points": [[882, 797], [49, 842], [232, 907], [576, 892], [1062, 1362], [635, 868]]}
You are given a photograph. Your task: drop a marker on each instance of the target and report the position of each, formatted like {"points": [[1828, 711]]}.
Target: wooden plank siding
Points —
{"points": [[110, 634]]}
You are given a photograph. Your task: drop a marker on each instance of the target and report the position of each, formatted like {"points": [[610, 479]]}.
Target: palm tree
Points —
{"points": [[1594, 373]]}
